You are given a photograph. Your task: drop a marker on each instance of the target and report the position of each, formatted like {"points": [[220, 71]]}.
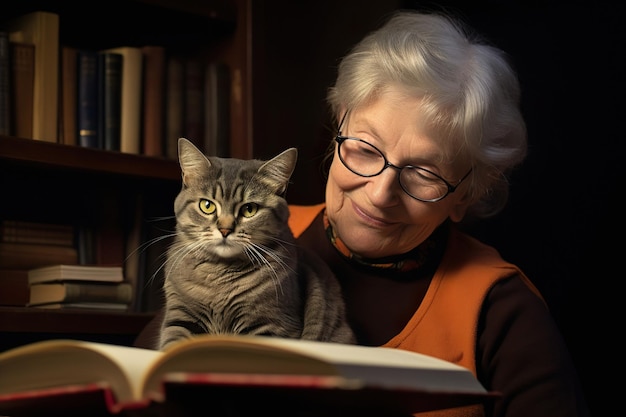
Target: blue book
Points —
{"points": [[87, 117], [110, 95]]}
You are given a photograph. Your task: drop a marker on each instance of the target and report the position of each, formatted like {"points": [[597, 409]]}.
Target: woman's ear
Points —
{"points": [[458, 210]]}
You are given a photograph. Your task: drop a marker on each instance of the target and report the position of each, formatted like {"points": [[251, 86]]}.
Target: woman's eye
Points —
{"points": [[249, 209], [207, 206]]}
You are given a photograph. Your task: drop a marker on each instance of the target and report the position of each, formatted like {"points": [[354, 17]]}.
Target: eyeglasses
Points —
{"points": [[366, 160]]}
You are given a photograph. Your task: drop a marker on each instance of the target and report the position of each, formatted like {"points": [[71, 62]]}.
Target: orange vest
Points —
{"points": [[445, 323]]}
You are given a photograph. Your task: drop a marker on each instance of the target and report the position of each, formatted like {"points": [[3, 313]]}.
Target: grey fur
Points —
{"points": [[227, 273]]}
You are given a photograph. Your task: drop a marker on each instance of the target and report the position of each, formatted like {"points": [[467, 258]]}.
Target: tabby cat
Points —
{"points": [[234, 267]]}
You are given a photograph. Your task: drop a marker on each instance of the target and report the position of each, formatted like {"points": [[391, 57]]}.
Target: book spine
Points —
{"points": [[88, 99], [75, 292], [27, 256], [110, 99], [116, 293], [91, 305], [194, 101], [132, 90], [133, 253], [5, 69], [174, 106], [45, 111], [22, 91], [76, 273], [41, 29], [217, 109], [85, 245], [38, 233], [14, 288], [109, 236], [153, 105], [68, 131], [152, 273]]}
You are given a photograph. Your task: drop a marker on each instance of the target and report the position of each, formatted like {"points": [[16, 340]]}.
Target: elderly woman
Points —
{"points": [[429, 127]]}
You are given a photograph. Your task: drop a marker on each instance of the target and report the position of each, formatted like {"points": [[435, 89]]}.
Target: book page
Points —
{"points": [[368, 366], [335, 353], [237, 354], [58, 363]]}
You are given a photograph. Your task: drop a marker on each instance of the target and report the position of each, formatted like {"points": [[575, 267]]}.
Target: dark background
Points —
{"points": [[564, 221]]}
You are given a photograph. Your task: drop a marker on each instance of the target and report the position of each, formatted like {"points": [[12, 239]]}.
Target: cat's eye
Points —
{"points": [[207, 206], [249, 209]]}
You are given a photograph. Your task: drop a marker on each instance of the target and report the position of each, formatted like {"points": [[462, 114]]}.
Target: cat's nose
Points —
{"points": [[225, 231]]}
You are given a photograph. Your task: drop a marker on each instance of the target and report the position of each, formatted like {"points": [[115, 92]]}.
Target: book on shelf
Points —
{"points": [[68, 96], [153, 99], [110, 66], [15, 255], [287, 375], [194, 101], [41, 29], [19, 231], [86, 245], [109, 234], [87, 114], [84, 305], [134, 258], [5, 77], [217, 88], [80, 292], [93, 273], [22, 90], [14, 287], [151, 262], [132, 90], [174, 110]]}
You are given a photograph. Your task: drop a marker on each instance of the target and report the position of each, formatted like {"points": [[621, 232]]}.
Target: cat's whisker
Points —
{"points": [[283, 242], [177, 253], [254, 251], [272, 254], [162, 257], [142, 248]]}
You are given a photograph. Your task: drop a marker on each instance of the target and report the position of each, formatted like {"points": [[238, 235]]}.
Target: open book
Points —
{"points": [[209, 369]]}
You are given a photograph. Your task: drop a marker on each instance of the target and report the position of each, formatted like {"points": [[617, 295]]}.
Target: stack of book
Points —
{"points": [[26, 245], [79, 286]]}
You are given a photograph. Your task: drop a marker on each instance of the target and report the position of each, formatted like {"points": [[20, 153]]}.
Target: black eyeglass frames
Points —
{"points": [[366, 160]]}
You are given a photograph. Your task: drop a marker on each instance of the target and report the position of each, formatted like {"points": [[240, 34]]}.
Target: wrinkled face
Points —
{"points": [[373, 215]]}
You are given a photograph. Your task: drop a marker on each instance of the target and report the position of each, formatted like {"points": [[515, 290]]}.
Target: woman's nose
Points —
{"points": [[384, 188]]}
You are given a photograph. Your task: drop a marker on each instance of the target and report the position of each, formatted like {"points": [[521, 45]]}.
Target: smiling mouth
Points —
{"points": [[375, 221]]}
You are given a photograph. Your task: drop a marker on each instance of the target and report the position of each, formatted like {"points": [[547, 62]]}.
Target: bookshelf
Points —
{"points": [[19, 326], [263, 43], [46, 181]]}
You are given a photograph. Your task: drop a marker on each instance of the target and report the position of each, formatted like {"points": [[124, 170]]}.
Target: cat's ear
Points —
{"points": [[277, 171], [192, 161]]}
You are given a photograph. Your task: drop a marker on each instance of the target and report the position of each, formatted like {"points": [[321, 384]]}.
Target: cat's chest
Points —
{"points": [[217, 285], [215, 279]]}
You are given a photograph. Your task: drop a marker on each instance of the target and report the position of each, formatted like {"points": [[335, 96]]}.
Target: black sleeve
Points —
{"points": [[522, 355]]}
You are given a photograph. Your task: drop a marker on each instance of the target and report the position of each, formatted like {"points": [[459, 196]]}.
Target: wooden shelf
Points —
{"points": [[19, 151], [34, 320]]}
